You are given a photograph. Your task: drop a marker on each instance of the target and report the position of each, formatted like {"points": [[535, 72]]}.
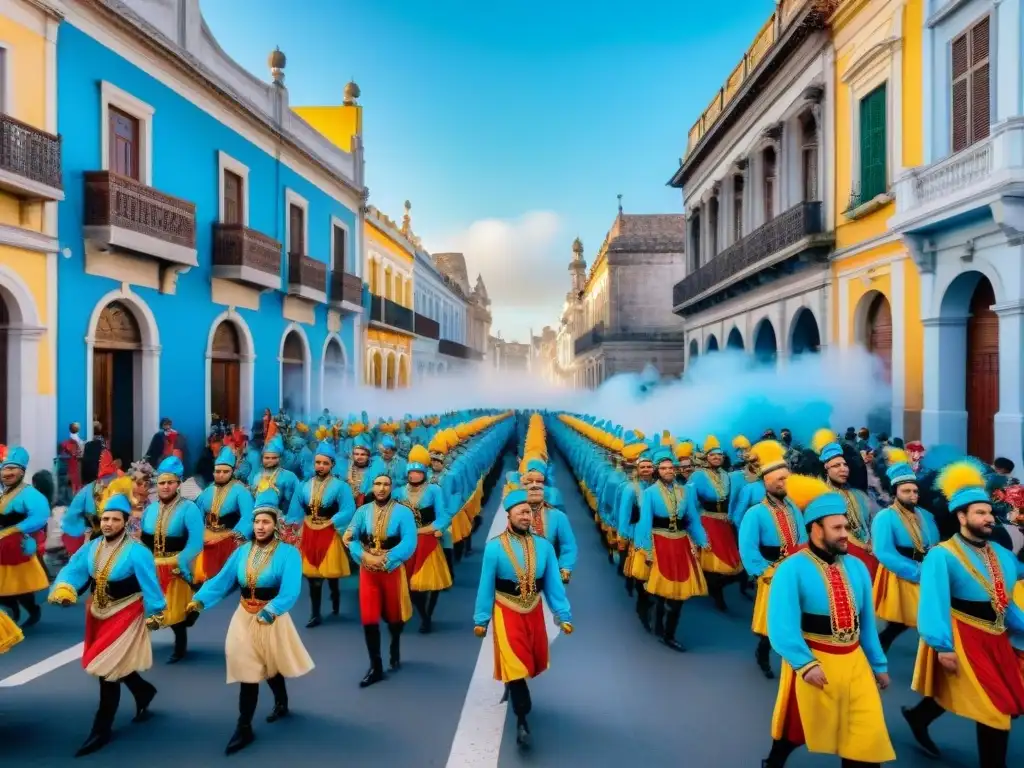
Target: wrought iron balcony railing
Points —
{"points": [[30, 160], [246, 256], [307, 278]]}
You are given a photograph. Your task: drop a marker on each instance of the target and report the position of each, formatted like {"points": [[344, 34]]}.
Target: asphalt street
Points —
{"points": [[613, 695]]}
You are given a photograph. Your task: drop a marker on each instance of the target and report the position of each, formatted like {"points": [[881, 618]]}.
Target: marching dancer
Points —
{"points": [[262, 642], [707, 494], [172, 529], [553, 524], [226, 506], [272, 475], [324, 505], [428, 570], [965, 661], [81, 519], [518, 567], [24, 513], [126, 602], [381, 538], [821, 621]]}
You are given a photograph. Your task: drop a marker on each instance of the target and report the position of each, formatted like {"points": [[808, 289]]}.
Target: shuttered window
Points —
{"points": [[970, 96], [873, 171]]}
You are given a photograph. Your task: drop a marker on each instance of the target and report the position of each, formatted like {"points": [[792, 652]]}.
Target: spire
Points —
{"points": [[407, 219], [620, 203]]}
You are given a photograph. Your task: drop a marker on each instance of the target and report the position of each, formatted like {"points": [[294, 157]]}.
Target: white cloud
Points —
{"points": [[524, 263]]}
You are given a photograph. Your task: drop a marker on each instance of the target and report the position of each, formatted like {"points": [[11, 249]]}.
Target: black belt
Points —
{"points": [[263, 594], [389, 543], [913, 554], [511, 588], [716, 507], [325, 510], [976, 609], [664, 523], [11, 518], [228, 521], [122, 588], [769, 553], [427, 515], [172, 544], [634, 514], [816, 624]]}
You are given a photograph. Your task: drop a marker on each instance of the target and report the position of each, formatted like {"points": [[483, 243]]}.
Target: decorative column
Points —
{"points": [[1009, 421]]}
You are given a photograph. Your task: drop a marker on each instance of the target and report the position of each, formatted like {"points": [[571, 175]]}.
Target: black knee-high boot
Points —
{"points": [[248, 698], [371, 633], [103, 723], [888, 635], [780, 752], [28, 602], [280, 691], [180, 643], [519, 695], [395, 651], [458, 549], [761, 654], [716, 590], [992, 747], [432, 598], [673, 612], [919, 718], [335, 589], [659, 616], [643, 606], [449, 557], [419, 602], [11, 604], [316, 594], [143, 692]]}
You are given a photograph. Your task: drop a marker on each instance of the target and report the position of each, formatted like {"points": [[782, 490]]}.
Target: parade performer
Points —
{"points": [[24, 513], [770, 531], [226, 506], [381, 538], [172, 529], [262, 642], [965, 661], [387, 461], [447, 482], [273, 476], [355, 469], [708, 494], [684, 461], [902, 533], [81, 519], [668, 536], [126, 602], [428, 570], [821, 621], [837, 474], [324, 507], [640, 473], [518, 568], [553, 525], [10, 632]]}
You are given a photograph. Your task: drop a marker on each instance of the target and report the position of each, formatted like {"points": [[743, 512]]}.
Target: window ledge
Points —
{"points": [[864, 209]]}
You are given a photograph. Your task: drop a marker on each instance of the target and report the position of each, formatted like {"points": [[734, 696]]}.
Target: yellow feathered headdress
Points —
{"points": [[632, 451], [803, 489], [767, 456], [122, 486], [822, 438], [895, 456], [684, 450], [711, 444], [962, 483], [740, 443], [666, 438], [419, 455]]}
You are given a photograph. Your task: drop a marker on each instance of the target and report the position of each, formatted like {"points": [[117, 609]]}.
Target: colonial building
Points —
{"points": [[441, 319], [390, 255], [757, 190], [209, 231], [878, 133], [547, 356], [31, 184], [961, 214], [620, 311], [510, 355], [474, 347]]}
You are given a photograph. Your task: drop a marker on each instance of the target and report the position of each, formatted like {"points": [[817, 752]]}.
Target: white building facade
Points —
{"points": [[962, 216], [441, 301], [758, 199]]}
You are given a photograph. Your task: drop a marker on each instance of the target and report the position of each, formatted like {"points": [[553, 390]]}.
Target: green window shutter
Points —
{"points": [[873, 144]]}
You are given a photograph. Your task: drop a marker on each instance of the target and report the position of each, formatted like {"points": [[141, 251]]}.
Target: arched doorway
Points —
{"points": [[766, 346], [390, 372], [982, 392], [403, 372], [735, 340], [694, 350], [226, 373], [712, 343], [116, 366], [878, 334], [805, 339], [333, 371], [293, 374], [377, 370], [6, 366]]}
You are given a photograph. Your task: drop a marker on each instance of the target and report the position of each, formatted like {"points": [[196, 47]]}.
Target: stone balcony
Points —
{"points": [[30, 161], [346, 292], [246, 256], [307, 278], [984, 179], [599, 335]]}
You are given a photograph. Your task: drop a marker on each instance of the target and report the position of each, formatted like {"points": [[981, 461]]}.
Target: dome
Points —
{"points": [[352, 92], [277, 59]]}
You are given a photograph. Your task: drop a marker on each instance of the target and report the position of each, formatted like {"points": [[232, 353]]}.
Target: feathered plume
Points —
{"points": [[803, 489], [684, 450], [122, 486], [896, 456], [419, 455], [767, 452], [740, 442], [822, 438], [666, 438], [959, 475], [710, 444], [939, 456]]}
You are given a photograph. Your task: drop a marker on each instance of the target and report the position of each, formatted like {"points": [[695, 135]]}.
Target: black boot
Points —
{"points": [[371, 633], [449, 557], [428, 625], [335, 589], [280, 692], [102, 724], [643, 606], [316, 593], [522, 733], [716, 590], [630, 585], [419, 603], [248, 697], [780, 752], [761, 654], [35, 613], [992, 747], [395, 654], [143, 693], [673, 614], [458, 549], [659, 617], [919, 718], [180, 643], [888, 635], [747, 587], [13, 610]]}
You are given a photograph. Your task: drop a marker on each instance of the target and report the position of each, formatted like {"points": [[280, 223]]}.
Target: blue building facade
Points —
{"points": [[962, 216], [210, 237]]}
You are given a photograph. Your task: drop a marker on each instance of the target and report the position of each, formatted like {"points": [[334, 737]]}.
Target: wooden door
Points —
{"points": [[225, 373], [5, 370], [982, 400], [121, 437], [103, 388], [123, 131], [118, 341], [879, 336]]}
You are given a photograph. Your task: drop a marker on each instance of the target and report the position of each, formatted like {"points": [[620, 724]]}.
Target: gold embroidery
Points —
{"points": [[413, 499], [672, 502], [220, 495], [995, 589], [259, 559], [912, 523], [526, 573], [163, 522], [379, 526], [101, 577], [844, 615]]}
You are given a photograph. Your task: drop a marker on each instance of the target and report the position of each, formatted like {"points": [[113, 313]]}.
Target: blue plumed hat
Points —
{"points": [[814, 498], [963, 484], [663, 454], [274, 446], [118, 503], [825, 445]]}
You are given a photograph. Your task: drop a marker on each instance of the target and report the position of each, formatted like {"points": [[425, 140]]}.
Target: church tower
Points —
{"points": [[577, 268]]}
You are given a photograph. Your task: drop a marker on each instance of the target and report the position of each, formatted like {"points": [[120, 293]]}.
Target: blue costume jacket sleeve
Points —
{"points": [[554, 589], [568, 551], [883, 534], [346, 508], [73, 522], [194, 529], [869, 641], [934, 619], [485, 588], [624, 509], [76, 573], [355, 546], [694, 525], [289, 561], [296, 514], [750, 544], [784, 617], [144, 568], [217, 588], [407, 540], [245, 506], [644, 526], [37, 511]]}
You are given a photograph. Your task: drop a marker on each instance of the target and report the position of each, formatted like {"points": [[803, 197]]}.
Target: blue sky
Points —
{"points": [[510, 128]]}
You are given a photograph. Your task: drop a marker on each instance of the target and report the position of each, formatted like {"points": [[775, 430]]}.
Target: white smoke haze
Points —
{"points": [[724, 393]]}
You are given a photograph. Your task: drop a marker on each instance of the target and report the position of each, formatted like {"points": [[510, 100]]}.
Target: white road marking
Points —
{"points": [[477, 742]]}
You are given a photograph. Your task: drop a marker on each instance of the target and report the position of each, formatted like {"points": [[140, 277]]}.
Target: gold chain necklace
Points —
{"points": [[163, 522], [672, 501], [381, 523], [102, 572], [413, 499], [526, 574], [912, 524], [316, 495], [259, 558]]}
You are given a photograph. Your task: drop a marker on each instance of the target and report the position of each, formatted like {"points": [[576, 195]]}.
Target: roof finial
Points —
{"points": [[352, 93], [407, 218], [620, 203], [276, 62]]}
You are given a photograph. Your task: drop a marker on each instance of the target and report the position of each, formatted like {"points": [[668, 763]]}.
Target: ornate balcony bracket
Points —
{"points": [[922, 251]]}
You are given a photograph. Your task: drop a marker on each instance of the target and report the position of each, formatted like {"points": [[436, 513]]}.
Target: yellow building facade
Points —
{"points": [[878, 133], [30, 188], [389, 268]]}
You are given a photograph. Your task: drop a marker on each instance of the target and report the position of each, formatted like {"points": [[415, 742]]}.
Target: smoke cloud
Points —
{"points": [[725, 394]]}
